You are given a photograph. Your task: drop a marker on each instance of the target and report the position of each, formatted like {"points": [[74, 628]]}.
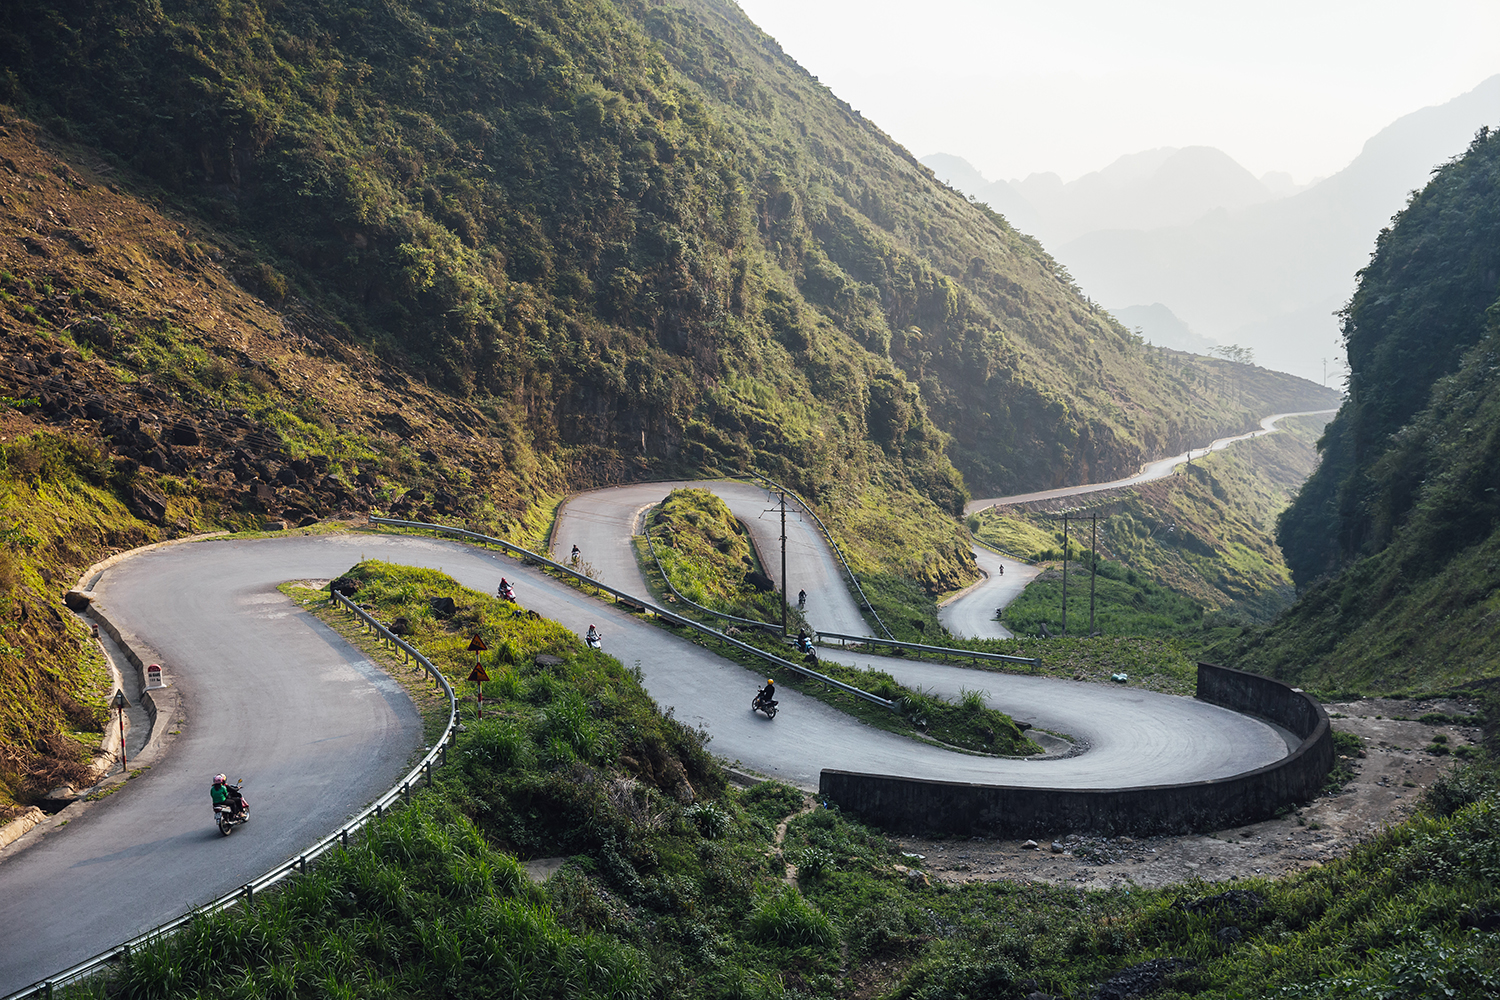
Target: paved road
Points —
{"points": [[973, 613], [270, 694], [601, 522]]}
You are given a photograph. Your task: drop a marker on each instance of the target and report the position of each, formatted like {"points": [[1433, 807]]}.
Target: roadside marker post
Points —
{"points": [[120, 703], [478, 675]]}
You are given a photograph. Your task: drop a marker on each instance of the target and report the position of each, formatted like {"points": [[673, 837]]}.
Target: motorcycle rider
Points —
{"points": [[592, 637], [804, 641], [223, 793], [767, 694], [505, 590]]}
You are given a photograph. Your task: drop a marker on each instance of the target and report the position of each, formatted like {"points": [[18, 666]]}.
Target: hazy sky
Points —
{"points": [[1023, 86]]}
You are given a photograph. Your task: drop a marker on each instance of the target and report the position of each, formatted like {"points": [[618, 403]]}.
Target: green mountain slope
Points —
{"points": [[1407, 499], [639, 228]]}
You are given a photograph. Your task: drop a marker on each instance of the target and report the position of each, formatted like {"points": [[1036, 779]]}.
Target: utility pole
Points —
{"points": [[1065, 576], [1093, 565], [783, 564], [780, 494]]}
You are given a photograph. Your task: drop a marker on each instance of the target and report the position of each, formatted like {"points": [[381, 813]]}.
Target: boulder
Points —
{"points": [[185, 432], [147, 504], [77, 600]]}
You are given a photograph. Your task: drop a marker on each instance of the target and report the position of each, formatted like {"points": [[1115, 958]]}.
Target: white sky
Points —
{"points": [[1023, 86]]}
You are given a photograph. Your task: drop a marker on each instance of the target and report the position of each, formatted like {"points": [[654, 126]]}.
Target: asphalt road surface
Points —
{"points": [[271, 695], [974, 612], [601, 522]]}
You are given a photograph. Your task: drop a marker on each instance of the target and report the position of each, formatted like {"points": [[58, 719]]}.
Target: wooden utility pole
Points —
{"points": [[1093, 565], [1065, 576], [783, 564]]}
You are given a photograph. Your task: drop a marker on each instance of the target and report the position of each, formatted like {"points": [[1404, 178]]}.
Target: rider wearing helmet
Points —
{"points": [[223, 792], [767, 695], [592, 635]]}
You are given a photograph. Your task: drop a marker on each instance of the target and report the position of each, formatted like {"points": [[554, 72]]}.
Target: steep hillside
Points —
{"points": [[641, 229], [1405, 508]]}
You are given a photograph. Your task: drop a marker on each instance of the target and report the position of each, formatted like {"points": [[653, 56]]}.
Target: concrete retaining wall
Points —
{"points": [[913, 805]]}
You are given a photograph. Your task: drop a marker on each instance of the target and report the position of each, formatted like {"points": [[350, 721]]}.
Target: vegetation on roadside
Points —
{"points": [[709, 558], [1112, 598], [59, 508], [667, 891]]}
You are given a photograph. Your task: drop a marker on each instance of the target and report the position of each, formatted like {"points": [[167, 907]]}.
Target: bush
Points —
{"points": [[813, 862], [710, 820], [787, 919]]}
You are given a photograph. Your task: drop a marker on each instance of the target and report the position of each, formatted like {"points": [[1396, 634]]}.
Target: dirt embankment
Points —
{"points": [[1387, 784]]}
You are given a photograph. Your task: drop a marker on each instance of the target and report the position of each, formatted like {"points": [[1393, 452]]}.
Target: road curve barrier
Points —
{"points": [[915, 805], [528, 556], [246, 893], [947, 652]]}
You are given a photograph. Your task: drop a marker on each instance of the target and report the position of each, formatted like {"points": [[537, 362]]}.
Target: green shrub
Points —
{"points": [[710, 820], [785, 918], [813, 862]]}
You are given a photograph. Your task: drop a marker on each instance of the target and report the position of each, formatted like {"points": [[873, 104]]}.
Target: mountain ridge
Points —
{"points": [[1271, 275]]}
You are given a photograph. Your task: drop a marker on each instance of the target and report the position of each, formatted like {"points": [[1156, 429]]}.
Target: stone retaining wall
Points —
{"points": [[913, 805]]}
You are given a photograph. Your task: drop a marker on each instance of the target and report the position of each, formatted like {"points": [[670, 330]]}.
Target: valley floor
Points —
{"points": [[1385, 789]]}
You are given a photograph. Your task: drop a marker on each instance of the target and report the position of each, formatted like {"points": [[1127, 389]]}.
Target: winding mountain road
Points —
{"points": [[974, 612], [270, 694]]}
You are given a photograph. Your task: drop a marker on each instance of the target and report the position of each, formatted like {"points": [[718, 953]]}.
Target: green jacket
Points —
{"points": [[220, 794]]}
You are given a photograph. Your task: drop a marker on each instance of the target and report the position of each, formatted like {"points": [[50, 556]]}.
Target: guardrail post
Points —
{"points": [[249, 892], [344, 838]]}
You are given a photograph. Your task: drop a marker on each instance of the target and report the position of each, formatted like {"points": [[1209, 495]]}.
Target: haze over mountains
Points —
{"points": [[1231, 257]]}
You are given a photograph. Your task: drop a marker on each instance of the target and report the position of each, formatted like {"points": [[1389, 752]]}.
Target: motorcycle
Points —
{"points": [[507, 592], [595, 641], [228, 817], [764, 704]]}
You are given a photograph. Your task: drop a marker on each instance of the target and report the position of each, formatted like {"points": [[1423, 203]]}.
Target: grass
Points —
{"points": [[59, 506], [1117, 600], [708, 556]]}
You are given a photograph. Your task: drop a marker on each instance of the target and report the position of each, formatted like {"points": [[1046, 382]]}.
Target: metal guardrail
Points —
{"points": [[246, 892], [972, 654], [634, 601], [692, 603], [848, 570]]}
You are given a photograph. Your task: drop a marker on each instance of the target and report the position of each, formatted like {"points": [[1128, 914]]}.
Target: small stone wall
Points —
{"points": [[913, 805]]}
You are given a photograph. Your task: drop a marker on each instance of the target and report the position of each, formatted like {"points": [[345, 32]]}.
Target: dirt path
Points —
{"points": [[1386, 788], [808, 805]]}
